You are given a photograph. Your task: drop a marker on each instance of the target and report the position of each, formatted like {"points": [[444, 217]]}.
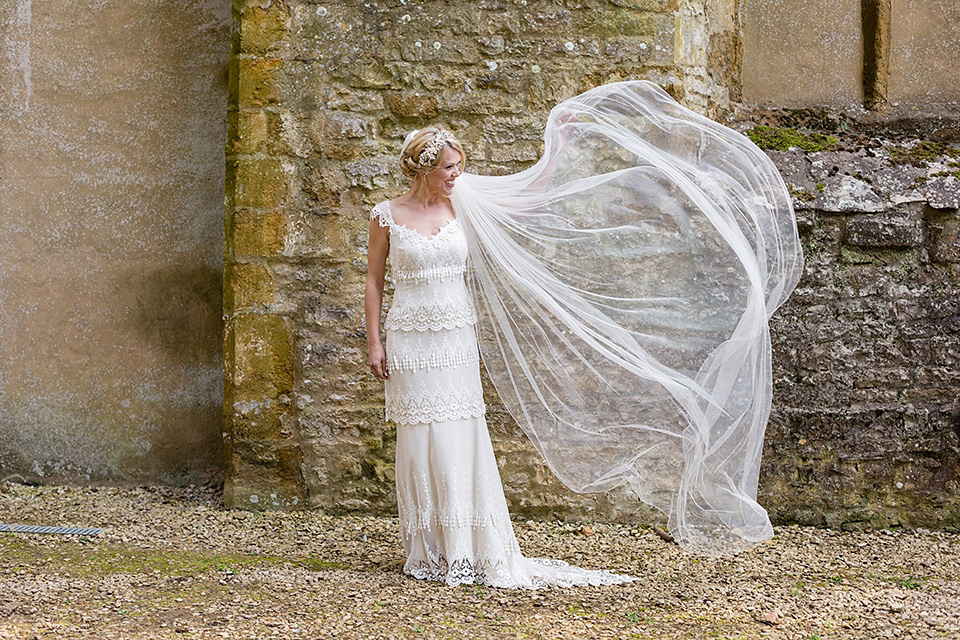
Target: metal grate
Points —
{"points": [[29, 528]]}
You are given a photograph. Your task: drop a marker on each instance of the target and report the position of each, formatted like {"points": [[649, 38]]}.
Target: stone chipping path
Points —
{"points": [[173, 563]]}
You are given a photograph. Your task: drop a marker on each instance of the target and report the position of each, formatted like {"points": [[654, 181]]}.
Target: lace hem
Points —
{"points": [[540, 573], [413, 522]]}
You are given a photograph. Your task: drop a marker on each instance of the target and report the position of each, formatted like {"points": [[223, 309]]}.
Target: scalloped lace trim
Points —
{"points": [[433, 360], [430, 317], [435, 397], [495, 572], [420, 409], [381, 214], [409, 351]]}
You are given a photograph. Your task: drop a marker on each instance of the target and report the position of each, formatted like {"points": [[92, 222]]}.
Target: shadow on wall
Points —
{"points": [[111, 240]]}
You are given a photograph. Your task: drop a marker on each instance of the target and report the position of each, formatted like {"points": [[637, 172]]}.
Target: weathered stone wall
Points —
{"points": [[894, 55], [804, 52], [865, 430], [111, 144], [322, 94]]}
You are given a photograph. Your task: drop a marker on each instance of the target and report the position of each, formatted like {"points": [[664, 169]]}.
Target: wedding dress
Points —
{"points": [[453, 514]]}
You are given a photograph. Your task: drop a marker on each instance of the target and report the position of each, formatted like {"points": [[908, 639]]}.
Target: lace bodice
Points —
{"points": [[432, 352], [416, 257]]}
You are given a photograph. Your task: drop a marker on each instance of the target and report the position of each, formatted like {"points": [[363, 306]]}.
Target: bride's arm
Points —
{"points": [[373, 299]]}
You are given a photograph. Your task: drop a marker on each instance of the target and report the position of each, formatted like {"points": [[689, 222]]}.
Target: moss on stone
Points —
{"points": [[941, 174], [264, 359], [852, 255], [800, 194], [260, 183], [249, 285], [781, 139], [923, 152], [622, 23]]}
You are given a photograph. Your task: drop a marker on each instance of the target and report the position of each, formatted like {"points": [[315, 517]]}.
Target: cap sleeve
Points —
{"points": [[381, 213]]}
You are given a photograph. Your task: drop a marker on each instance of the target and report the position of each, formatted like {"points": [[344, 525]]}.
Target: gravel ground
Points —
{"points": [[173, 563]]}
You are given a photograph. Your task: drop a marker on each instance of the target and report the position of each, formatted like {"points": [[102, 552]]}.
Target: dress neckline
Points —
{"points": [[394, 223]]}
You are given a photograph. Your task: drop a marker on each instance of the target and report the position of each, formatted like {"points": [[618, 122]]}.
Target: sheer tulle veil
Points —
{"points": [[623, 286]]}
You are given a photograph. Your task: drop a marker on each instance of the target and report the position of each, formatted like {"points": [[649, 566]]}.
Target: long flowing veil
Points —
{"points": [[624, 284]]}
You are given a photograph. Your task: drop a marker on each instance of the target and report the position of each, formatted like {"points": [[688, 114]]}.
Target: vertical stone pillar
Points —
{"points": [[261, 431], [875, 17]]}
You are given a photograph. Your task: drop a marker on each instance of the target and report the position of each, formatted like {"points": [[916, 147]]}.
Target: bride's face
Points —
{"points": [[442, 178]]}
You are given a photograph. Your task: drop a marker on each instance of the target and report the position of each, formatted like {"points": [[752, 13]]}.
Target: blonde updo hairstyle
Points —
{"points": [[410, 155]]}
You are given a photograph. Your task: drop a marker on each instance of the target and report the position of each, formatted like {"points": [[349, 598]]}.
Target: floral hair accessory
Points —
{"points": [[429, 153]]}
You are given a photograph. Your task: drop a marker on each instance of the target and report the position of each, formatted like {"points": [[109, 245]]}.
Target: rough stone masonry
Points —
{"points": [[864, 431]]}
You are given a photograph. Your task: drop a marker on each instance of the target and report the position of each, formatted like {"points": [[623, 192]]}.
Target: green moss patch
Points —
{"points": [[921, 153], [781, 139]]}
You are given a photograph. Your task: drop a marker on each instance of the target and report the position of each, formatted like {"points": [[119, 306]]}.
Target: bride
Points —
{"points": [[620, 290]]}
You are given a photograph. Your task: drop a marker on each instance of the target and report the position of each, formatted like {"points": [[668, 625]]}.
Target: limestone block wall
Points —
{"points": [[923, 63], [895, 55], [111, 181], [865, 430], [802, 52], [322, 94]]}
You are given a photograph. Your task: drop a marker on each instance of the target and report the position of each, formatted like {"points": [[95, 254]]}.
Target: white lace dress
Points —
{"points": [[453, 515]]}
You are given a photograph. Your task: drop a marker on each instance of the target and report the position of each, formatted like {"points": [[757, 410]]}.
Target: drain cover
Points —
{"points": [[29, 528]]}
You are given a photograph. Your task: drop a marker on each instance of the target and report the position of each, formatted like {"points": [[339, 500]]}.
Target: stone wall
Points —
{"points": [[894, 55], [865, 430], [111, 183], [322, 94], [110, 264]]}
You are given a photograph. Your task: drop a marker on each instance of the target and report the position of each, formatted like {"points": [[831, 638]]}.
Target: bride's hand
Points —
{"points": [[377, 361]]}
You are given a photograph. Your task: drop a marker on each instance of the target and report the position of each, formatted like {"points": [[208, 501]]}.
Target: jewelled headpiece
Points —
{"points": [[429, 153]]}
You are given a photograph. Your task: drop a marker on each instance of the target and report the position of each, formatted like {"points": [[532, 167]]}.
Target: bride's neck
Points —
{"points": [[421, 195]]}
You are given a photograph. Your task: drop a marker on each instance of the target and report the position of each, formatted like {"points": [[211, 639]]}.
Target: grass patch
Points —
{"points": [[83, 561], [904, 582], [781, 139]]}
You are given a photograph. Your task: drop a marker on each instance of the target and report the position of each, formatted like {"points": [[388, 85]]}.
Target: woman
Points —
{"points": [[622, 287], [453, 515]]}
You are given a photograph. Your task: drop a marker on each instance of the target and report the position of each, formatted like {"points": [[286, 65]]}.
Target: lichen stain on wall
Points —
{"points": [[111, 240]]}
